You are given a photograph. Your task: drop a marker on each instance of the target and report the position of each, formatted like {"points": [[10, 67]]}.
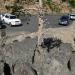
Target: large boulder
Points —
{"points": [[24, 69], [54, 62]]}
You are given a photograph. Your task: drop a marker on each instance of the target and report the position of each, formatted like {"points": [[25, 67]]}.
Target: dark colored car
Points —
{"points": [[1, 24], [64, 20]]}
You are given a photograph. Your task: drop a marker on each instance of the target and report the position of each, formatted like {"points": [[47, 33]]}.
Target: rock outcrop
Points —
{"points": [[19, 60]]}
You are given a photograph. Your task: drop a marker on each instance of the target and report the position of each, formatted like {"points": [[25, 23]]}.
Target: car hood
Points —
{"points": [[63, 20], [15, 20]]}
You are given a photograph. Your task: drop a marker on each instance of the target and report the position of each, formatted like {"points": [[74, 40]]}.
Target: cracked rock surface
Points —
{"points": [[54, 62], [27, 58]]}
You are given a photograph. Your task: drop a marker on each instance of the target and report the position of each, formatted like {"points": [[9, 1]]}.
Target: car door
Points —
{"points": [[6, 19], [74, 17]]}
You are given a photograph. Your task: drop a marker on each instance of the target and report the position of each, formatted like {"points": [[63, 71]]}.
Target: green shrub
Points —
{"points": [[7, 7], [48, 1], [54, 7], [72, 3], [15, 9], [63, 0], [50, 43]]}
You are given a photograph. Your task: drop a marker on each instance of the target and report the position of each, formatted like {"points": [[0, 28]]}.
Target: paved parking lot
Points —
{"points": [[30, 24], [51, 20]]}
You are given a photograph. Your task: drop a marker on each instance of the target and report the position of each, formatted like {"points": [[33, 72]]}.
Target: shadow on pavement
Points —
{"points": [[3, 27], [17, 25]]}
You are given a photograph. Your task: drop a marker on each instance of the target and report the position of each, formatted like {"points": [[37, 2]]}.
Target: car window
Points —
{"points": [[64, 17], [72, 15], [12, 17], [7, 16]]}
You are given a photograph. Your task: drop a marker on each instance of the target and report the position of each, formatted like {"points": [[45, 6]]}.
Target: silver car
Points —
{"points": [[72, 16]]}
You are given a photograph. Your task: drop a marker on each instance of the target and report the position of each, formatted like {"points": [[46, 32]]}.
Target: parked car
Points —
{"points": [[10, 19], [64, 20], [72, 16], [1, 24]]}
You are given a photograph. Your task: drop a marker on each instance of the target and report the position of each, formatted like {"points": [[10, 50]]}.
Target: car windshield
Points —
{"points": [[64, 17], [12, 17]]}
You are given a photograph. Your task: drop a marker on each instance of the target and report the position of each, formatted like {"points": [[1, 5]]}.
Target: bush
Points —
{"points": [[49, 1], [15, 9], [63, 0], [7, 7], [50, 43], [72, 3], [54, 7]]}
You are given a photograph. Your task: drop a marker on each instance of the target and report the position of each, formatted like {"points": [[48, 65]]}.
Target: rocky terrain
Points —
{"points": [[27, 58], [57, 6], [24, 54], [47, 51]]}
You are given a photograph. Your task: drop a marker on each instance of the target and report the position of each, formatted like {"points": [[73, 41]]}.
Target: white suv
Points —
{"points": [[10, 19]]}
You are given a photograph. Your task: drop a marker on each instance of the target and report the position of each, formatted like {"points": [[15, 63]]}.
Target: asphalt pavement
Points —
{"points": [[52, 20], [29, 24]]}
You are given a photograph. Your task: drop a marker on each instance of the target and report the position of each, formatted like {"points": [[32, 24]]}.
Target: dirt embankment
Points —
{"points": [[64, 7]]}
